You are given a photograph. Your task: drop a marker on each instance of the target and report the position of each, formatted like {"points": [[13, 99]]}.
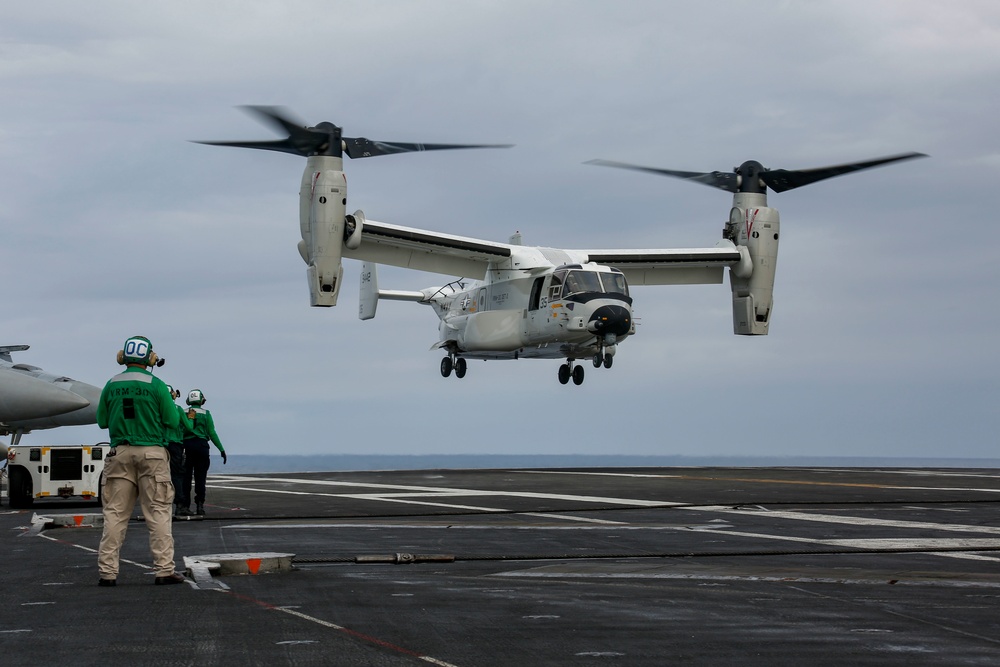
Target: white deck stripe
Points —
{"points": [[334, 626], [406, 499], [439, 490], [778, 481], [852, 520]]}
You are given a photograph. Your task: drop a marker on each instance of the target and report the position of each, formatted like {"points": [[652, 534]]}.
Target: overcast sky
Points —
{"points": [[884, 334]]}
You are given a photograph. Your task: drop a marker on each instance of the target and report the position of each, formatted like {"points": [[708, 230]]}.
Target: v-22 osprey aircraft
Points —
{"points": [[528, 302]]}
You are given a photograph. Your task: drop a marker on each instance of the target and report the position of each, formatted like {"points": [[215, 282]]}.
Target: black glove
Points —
{"points": [[223, 458]]}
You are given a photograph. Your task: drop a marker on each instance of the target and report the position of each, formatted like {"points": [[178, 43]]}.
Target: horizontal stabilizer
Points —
{"points": [[370, 293]]}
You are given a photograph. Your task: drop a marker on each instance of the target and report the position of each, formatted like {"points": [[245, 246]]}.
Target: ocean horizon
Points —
{"points": [[268, 463]]}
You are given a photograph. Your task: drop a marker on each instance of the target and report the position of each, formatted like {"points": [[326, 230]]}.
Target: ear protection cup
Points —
{"points": [[121, 357]]}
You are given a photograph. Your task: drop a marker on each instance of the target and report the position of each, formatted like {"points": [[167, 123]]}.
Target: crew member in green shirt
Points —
{"points": [[137, 410], [199, 431], [175, 445]]}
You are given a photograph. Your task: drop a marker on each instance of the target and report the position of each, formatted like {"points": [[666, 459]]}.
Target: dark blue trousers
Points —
{"points": [[176, 450], [196, 462]]}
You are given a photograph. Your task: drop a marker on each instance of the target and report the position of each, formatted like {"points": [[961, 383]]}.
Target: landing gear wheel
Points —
{"points": [[564, 373], [460, 368], [598, 360], [608, 360], [446, 367], [578, 375]]}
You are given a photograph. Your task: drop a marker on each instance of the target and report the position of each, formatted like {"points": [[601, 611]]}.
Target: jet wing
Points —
{"points": [[669, 266], [424, 250]]}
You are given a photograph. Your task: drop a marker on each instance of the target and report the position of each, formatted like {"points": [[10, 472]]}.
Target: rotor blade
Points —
{"points": [[361, 147], [326, 139], [301, 140], [277, 117], [716, 179], [781, 180], [282, 146]]}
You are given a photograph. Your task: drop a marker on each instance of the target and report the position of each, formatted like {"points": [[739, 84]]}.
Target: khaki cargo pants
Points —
{"points": [[143, 473]]}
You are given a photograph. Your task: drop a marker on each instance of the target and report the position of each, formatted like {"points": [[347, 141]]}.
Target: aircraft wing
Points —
{"points": [[670, 266], [425, 250]]}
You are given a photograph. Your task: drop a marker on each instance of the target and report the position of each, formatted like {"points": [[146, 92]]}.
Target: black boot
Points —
{"points": [[199, 509]]}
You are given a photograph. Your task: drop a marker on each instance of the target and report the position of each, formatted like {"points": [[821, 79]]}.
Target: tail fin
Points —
{"points": [[5, 351], [369, 291]]}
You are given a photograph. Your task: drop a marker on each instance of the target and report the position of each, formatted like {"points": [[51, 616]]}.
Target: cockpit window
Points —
{"points": [[564, 283], [615, 283], [555, 286], [582, 281]]}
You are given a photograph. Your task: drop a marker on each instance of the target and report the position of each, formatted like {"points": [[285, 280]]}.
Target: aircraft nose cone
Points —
{"points": [[27, 398], [85, 414], [610, 320]]}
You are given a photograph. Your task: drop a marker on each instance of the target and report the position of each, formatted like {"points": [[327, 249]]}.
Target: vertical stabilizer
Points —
{"points": [[369, 291]]}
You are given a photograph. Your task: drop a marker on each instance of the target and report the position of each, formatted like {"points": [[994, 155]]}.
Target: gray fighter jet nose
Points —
{"points": [[610, 320], [29, 398]]}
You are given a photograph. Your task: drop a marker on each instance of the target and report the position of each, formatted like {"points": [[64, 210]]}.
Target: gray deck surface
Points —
{"points": [[644, 566]]}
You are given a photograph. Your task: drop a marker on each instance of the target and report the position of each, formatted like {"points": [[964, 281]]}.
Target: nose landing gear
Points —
{"points": [[605, 360], [606, 356]]}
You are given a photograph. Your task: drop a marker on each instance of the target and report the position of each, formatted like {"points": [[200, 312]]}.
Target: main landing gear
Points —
{"points": [[570, 370], [451, 362]]}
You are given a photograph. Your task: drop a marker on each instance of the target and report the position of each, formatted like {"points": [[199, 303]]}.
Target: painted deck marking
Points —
{"points": [[434, 496], [760, 480], [852, 520], [359, 635], [437, 491]]}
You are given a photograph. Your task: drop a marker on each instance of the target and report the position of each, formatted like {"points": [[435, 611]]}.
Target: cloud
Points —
{"points": [[881, 343]]}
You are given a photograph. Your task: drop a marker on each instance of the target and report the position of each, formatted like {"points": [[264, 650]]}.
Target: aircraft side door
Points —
{"points": [[534, 316]]}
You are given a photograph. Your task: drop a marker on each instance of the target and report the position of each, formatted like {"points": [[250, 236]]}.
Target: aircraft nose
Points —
{"points": [[610, 320], [29, 398]]}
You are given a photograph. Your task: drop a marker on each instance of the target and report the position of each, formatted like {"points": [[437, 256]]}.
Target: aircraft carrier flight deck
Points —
{"points": [[614, 566]]}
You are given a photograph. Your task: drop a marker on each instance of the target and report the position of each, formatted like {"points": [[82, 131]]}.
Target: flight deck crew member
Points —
{"points": [[200, 431], [175, 446], [137, 410]]}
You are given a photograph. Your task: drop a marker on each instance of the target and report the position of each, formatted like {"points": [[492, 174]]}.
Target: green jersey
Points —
{"points": [[201, 425], [137, 409], [177, 433]]}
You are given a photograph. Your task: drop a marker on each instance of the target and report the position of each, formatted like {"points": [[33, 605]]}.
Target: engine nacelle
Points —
{"points": [[322, 216], [756, 227]]}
